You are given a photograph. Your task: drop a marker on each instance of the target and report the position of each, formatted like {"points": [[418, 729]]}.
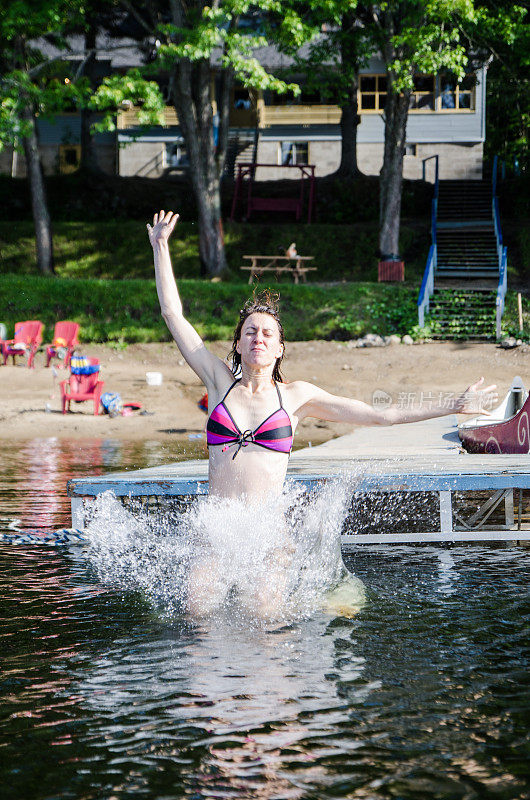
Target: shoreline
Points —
{"points": [[405, 374]]}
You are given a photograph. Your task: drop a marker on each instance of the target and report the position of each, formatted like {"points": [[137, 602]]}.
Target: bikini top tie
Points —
{"points": [[274, 433]]}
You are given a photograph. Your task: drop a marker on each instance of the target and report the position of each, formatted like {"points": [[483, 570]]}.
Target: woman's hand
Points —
{"points": [[475, 400], [162, 228]]}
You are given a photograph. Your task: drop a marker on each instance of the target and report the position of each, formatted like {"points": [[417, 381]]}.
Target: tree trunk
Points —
{"points": [[350, 119], [391, 175], [223, 114], [88, 155], [193, 104], [39, 204], [349, 122]]}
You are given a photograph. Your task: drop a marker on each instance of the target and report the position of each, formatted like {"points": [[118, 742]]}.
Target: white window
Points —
{"points": [[457, 96], [372, 92], [428, 94], [293, 153]]}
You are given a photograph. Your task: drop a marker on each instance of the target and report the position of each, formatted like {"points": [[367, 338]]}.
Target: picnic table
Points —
{"points": [[296, 266]]}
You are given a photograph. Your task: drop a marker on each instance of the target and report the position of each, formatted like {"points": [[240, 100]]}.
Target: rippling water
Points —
{"points": [[422, 694]]}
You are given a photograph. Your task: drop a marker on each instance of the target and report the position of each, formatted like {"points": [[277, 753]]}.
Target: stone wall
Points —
{"points": [[456, 161], [147, 159], [105, 160], [143, 159]]}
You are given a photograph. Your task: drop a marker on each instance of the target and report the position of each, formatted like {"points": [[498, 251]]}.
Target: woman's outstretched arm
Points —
{"points": [[323, 405], [208, 367]]}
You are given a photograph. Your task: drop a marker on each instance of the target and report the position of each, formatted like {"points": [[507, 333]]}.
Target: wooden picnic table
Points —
{"points": [[278, 264]]}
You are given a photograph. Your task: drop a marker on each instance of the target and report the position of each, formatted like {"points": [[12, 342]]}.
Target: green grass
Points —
{"points": [[127, 310], [120, 249]]}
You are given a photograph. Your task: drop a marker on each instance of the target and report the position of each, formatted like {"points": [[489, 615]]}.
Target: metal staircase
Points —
{"points": [[467, 246], [460, 297], [240, 149]]}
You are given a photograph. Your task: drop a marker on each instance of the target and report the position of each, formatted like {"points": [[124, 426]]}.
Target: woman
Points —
{"points": [[253, 413]]}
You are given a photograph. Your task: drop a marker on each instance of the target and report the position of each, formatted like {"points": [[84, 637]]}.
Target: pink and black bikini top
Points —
{"points": [[274, 433]]}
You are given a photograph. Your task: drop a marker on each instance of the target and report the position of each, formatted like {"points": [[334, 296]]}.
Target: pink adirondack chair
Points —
{"points": [[82, 387], [29, 334], [64, 338]]}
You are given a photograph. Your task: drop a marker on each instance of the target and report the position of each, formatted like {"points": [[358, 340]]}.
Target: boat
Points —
{"points": [[505, 430]]}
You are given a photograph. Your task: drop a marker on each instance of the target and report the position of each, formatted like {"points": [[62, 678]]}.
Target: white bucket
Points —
{"points": [[153, 378]]}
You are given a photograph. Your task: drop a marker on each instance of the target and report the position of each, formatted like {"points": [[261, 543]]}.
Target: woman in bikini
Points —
{"points": [[253, 413]]}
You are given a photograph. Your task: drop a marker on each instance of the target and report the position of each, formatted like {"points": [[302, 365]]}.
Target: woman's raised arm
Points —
{"points": [[208, 367]]}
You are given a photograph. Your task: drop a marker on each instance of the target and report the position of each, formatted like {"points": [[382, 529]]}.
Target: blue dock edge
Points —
{"points": [[506, 477]]}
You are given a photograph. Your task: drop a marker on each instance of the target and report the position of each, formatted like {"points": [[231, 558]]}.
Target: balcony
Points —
{"points": [[129, 118], [248, 118], [299, 115]]}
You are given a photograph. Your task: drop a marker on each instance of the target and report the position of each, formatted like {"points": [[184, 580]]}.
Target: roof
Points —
{"points": [[125, 52], [121, 52]]}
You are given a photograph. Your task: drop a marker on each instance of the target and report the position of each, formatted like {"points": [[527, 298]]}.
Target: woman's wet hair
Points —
{"points": [[260, 303]]}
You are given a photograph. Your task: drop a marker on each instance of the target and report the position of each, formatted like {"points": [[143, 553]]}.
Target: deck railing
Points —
{"points": [[427, 284], [423, 171]]}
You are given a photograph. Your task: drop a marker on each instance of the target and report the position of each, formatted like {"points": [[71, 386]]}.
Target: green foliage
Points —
{"points": [[202, 31], [128, 311], [131, 89], [24, 78], [510, 319], [50, 84], [337, 46], [387, 310], [425, 37], [506, 30]]}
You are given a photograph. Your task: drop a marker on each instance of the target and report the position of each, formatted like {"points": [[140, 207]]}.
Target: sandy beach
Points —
{"points": [[408, 374]]}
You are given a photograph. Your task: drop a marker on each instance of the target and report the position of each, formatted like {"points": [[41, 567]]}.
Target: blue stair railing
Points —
{"points": [[502, 252], [501, 291], [427, 284]]}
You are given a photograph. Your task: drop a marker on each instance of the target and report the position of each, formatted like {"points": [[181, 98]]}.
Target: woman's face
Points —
{"points": [[259, 344]]}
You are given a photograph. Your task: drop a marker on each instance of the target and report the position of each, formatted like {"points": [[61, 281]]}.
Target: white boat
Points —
{"points": [[505, 430]]}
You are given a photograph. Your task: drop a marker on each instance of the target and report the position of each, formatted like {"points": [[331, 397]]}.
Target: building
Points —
{"points": [[445, 119]]}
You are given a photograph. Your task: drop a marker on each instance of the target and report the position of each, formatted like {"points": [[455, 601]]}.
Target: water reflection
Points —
{"points": [[34, 474], [424, 694], [231, 709]]}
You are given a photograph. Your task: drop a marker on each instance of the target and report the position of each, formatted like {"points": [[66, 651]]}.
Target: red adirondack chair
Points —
{"points": [[82, 387], [64, 338], [28, 333]]}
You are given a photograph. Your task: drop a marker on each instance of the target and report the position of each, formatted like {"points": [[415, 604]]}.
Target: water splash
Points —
{"points": [[279, 560]]}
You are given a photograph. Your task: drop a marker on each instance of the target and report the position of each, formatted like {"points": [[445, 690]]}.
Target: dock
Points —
{"points": [[476, 497]]}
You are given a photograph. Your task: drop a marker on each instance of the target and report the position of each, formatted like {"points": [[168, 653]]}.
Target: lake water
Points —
{"points": [[110, 691]]}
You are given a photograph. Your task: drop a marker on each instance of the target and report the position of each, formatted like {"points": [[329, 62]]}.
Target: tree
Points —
{"points": [[500, 34], [33, 81], [338, 48], [414, 36], [25, 88], [98, 17], [193, 39]]}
